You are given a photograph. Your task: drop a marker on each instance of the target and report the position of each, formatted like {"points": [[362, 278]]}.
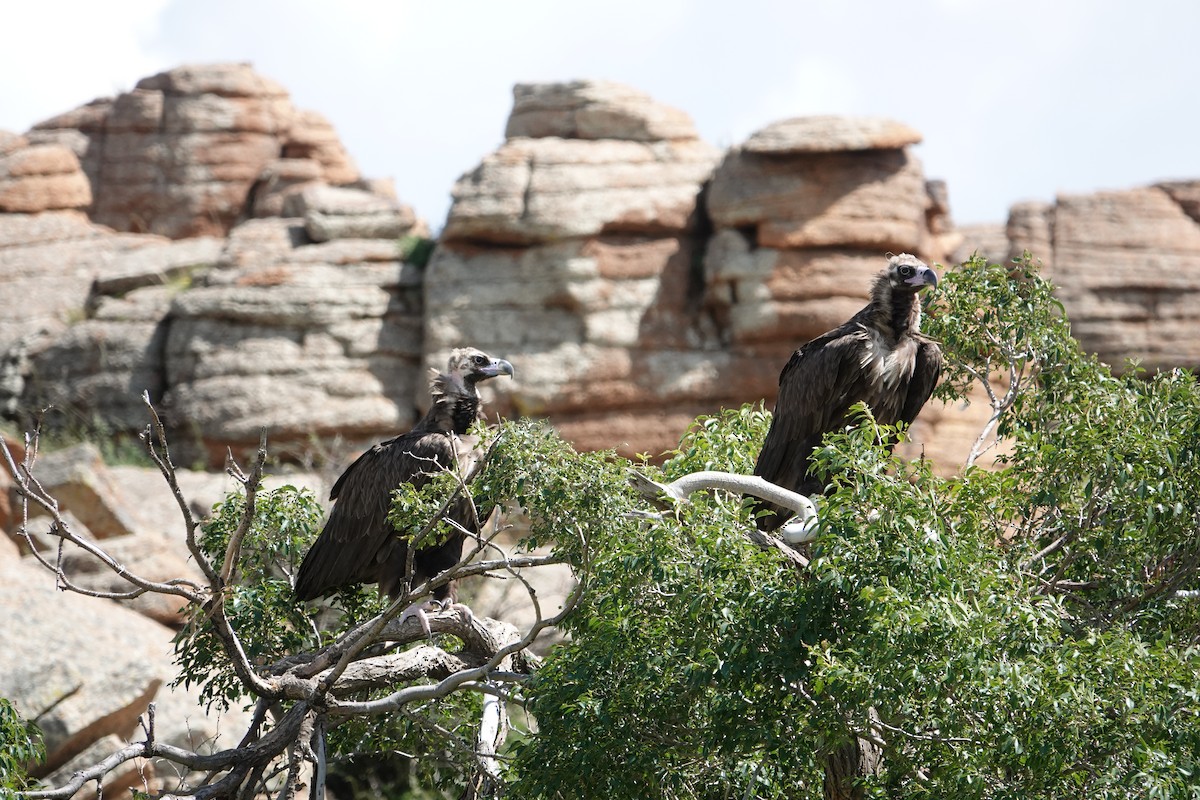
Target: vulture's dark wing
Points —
{"points": [[817, 386], [358, 545], [926, 371]]}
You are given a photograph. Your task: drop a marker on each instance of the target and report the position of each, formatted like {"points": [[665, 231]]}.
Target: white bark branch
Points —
{"points": [[801, 529]]}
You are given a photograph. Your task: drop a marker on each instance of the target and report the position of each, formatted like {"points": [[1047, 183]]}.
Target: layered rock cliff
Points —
{"points": [[635, 275]]}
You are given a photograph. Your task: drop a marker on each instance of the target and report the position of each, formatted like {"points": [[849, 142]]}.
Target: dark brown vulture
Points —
{"points": [[878, 357], [358, 545]]}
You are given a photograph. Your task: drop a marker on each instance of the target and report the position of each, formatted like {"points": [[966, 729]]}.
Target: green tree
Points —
{"points": [[1018, 632]]}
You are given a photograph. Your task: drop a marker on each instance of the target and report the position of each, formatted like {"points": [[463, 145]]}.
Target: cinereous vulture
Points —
{"points": [[358, 545], [878, 357]]}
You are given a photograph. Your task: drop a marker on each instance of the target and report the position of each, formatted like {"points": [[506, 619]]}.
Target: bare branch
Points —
{"points": [[681, 488], [413, 694], [251, 482], [155, 438], [802, 529], [30, 489]]}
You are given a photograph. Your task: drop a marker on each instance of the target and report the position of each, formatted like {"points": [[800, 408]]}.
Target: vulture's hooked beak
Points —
{"points": [[498, 367], [924, 276]]}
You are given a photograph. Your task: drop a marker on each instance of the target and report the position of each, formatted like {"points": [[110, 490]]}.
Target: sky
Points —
{"points": [[1016, 100]]}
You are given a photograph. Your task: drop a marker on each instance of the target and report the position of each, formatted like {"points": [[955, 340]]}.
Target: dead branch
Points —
{"points": [[798, 531], [155, 439]]}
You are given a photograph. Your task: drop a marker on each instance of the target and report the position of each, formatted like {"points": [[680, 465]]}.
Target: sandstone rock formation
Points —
{"points": [[1126, 265], [40, 177], [48, 263], [308, 341], [573, 257], [181, 153], [190, 151], [635, 275], [100, 366]]}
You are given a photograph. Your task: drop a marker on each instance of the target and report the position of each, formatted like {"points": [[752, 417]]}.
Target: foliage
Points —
{"points": [[576, 502], [416, 250], [991, 318], [997, 665], [20, 745], [260, 603]]}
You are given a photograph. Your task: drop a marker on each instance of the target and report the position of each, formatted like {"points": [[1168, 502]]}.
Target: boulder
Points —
{"points": [[79, 480], [830, 134], [97, 370], [59, 249], [332, 212], [172, 263], [280, 179], [85, 669], [40, 177], [313, 137], [538, 190], [156, 548], [151, 557], [593, 110], [1127, 269], [574, 258], [865, 199]]}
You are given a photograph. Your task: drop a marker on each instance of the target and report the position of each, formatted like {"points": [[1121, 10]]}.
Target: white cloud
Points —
{"points": [[817, 85], [57, 56]]}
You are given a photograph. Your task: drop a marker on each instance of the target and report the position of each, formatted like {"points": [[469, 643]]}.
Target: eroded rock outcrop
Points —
{"points": [[40, 177], [101, 366], [48, 265], [1126, 265], [186, 151], [309, 341], [192, 151], [637, 282], [575, 258]]}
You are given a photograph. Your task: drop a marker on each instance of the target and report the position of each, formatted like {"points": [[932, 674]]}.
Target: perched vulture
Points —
{"points": [[358, 545], [878, 357]]}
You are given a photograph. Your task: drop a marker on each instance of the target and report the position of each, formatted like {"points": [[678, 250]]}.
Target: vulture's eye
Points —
{"points": [[480, 361], [906, 272]]}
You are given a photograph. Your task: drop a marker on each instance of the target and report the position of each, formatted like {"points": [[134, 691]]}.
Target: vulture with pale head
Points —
{"points": [[358, 544], [878, 357]]}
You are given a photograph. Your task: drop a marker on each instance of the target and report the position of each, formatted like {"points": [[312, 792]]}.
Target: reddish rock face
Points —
{"points": [[594, 110], [585, 249], [185, 153], [40, 177], [1127, 268]]}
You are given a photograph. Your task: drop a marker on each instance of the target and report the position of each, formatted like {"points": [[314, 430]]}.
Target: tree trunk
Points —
{"points": [[845, 766]]}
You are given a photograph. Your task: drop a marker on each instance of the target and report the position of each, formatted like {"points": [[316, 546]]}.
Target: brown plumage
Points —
{"points": [[878, 357], [358, 545]]}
